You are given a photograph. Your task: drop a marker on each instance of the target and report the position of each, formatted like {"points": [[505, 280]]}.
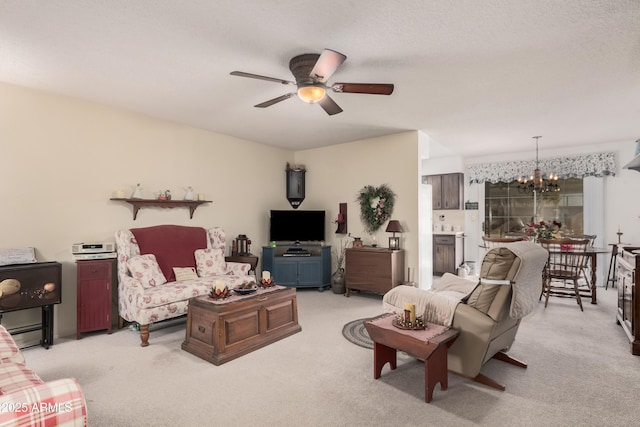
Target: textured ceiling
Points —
{"points": [[477, 76]]}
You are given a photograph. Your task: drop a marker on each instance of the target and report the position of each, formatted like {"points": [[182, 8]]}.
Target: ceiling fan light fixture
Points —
{"points": [[312, 93]]}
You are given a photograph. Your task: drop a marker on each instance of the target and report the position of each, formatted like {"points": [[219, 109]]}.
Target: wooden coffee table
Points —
{"points": [[221, 330], [430, 345]]}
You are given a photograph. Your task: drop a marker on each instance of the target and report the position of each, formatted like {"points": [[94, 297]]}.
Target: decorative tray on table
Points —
{"points": [[245, 288], [401, 323]]}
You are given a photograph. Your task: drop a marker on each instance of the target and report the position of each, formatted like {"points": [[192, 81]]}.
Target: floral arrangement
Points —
{"points": [[340, 254], [376, 206], [543, 230]]}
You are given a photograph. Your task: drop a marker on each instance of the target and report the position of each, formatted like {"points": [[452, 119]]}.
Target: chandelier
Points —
{"points": [[538, 183]]}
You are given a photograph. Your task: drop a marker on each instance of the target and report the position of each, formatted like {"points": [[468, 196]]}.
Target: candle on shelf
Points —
{"points": [[266, 275], [409, 312]]}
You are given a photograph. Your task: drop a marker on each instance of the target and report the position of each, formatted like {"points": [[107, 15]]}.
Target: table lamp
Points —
{"points": [[394, 227]]}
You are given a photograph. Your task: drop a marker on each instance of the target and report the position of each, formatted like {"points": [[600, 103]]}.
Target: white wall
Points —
{"points": [[63, 158]]}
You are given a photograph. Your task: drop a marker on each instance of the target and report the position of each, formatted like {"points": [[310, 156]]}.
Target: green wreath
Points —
{"points": [[376, 206]]}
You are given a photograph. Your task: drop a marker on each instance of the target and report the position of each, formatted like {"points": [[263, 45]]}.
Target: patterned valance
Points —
{"points": [[598, 164]]}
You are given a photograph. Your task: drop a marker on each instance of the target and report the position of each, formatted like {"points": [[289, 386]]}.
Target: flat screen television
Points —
{"points": [[296, 226]]}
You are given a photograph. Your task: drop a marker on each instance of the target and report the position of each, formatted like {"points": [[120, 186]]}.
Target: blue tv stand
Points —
{"points": [[299, 266]]}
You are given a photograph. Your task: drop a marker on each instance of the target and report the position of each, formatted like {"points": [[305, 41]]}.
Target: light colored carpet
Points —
{"points": [[580, 373]]}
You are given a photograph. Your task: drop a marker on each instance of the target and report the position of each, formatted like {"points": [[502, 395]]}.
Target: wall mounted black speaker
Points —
{"points": [[295, 186]]}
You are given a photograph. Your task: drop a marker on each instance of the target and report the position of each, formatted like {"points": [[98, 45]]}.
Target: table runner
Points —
{"points": [[433, 330], [237, 297]]}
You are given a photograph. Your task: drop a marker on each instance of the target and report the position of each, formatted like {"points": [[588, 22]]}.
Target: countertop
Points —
{"points": [[448, 233]]}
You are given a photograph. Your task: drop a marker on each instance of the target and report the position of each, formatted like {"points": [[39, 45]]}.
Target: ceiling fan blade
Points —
{"points": [[275, 100], [330, 106], [369, 88], [259, 77], [326, 65]]}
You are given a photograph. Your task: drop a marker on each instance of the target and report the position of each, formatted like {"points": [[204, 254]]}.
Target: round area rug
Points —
{"points": [[356, 333]]}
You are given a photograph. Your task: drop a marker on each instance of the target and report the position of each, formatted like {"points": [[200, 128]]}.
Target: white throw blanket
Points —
{"points": [[528, 281], [527, 286], [437, 304], [444, 296]]}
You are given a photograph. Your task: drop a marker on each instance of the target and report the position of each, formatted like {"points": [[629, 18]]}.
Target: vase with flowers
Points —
{"points": [[337, 278], [544, 230]]}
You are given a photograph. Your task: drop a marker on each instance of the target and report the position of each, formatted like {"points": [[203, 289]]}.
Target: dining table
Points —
{"points": [[592, 253]]}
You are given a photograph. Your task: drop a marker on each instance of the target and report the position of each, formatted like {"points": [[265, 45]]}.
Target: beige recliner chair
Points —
{"points": [[487, 313]]}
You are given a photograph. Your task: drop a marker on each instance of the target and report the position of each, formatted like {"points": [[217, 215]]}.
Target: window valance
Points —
{"points": [[597, 164]]}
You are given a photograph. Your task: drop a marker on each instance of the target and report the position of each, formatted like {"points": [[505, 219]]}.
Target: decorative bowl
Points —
{"points": [[220, 293], [266, 283], [246, 288]]}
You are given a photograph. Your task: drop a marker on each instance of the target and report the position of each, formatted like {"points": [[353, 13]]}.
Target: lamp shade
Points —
{"points": [[394, 226]]}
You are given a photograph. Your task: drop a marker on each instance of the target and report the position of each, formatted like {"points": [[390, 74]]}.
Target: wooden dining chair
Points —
{"points": [[590, 237], [586, 270], [493, 242], [566, 260]]}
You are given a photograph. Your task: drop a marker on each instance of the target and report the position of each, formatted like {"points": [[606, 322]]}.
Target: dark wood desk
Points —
{"points": [[39, 285]]}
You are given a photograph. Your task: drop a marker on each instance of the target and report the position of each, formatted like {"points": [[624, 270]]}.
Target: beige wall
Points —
{"points": [[62, 159], [335, 174]]}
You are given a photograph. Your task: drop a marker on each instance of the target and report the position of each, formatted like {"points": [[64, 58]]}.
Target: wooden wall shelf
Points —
{"points": [[170, 204]]}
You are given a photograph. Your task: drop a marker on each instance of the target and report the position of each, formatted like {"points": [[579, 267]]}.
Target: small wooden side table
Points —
{"points": [[95, 287], [430, 345], [247, 259]]}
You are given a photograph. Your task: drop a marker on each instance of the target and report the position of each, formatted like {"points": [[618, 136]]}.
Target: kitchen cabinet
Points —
{"points": [[448, 253], [447, 190]]}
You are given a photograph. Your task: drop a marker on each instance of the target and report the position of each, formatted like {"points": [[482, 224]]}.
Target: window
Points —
{"points": [[508, 210]]}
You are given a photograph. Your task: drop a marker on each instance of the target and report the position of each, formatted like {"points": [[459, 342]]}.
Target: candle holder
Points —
{"points": [[619, 236], [341, 221]]}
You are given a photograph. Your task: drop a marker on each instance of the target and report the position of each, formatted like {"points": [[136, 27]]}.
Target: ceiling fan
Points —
{"points": [[311, 72]]}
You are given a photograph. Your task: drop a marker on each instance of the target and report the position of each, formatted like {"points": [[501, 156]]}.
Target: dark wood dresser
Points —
{"points": [[628, 281], [371, 269]]}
